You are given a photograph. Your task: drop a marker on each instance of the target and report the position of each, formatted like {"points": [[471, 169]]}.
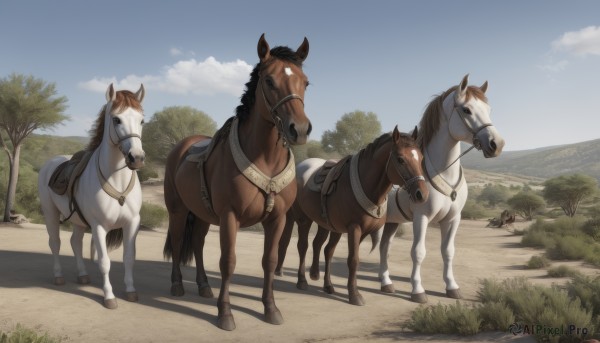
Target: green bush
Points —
{"points": [[146, 173], [563, 271], [587, 289], [152, 215], [537, 239], [592, 228], [22, 334], [570, 248], [447, 319], [538, 262], [473, 210], [496, 316]]}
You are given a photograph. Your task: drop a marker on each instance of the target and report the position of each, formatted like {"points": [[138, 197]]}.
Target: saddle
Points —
{"points": [[64, 176], [323, 180], [198, 153]]}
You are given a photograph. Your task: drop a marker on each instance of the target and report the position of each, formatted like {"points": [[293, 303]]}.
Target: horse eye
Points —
{"points": [[270, 83], [116, 120], [307, 84], [466, 110], [143, 122], [401, 160]]}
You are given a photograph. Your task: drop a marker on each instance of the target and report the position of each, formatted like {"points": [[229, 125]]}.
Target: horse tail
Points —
{"points": [[186, 248], [114, 239]]}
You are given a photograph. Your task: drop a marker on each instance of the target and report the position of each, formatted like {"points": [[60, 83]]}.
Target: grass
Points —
{"points": [[517, 303], [563, 271], [22, 334], [538, 262], [152, 215]]}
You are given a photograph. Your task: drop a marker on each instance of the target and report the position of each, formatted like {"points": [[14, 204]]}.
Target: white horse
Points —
{"points": [[116, 145], [461, 114]]}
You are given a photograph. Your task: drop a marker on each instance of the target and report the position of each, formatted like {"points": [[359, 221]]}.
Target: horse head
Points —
{"points": [[468, 115], [282, 85], [405, 165], [123, 121]]}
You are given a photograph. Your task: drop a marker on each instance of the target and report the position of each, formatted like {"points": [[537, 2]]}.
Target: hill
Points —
{"points": [[545, 162]]}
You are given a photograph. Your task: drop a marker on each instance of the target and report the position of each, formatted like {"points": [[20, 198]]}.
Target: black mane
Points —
{"points": [[248, 99]]}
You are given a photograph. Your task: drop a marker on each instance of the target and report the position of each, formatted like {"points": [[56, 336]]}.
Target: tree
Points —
{"points": [[311, 149], [352, 132], [526, 204], [172, 124], [568, 191], [494, 194], [26, 104]]}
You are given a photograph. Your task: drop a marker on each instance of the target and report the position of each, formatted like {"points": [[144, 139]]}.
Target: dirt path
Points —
{"points": [[73, 311]]}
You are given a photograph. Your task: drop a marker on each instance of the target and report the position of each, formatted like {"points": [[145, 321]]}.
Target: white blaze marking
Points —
{"points": [[288, 71], [415, 155]]}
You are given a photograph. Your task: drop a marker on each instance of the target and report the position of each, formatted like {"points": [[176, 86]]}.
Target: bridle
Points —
{"points": [[120, 139], [400, 169], [473, 130], [276, 119]]}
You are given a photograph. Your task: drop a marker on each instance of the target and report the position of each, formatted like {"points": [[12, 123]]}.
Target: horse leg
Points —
{"points": [[354, 295], [334, 238], [284, 242], [99, 235], [448, 231], [273, 231], [303, 229], [77, 245], [198, 238], [177, 224], [417, 253], [389, 232], [229, 226], [52, 218], [318, 241], [129, 235]]}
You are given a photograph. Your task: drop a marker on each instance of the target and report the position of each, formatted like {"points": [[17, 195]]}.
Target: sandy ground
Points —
{"points": [[75, 312]]}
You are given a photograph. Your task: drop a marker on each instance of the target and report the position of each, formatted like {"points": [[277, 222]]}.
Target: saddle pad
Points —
{"points": [[60, 179], [197, 152]]}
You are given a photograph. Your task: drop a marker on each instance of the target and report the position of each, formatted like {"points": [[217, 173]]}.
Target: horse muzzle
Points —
{"points": [[297, 134], [135, 161]]}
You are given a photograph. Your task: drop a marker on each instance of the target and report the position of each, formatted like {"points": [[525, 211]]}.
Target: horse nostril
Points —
{"points": [[493, 145], [419, 195], [293, 131], [130, 158], [309, 129]]}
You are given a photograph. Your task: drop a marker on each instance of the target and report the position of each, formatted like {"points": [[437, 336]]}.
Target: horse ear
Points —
{"points": [[302, 50], [484, 87], [396, 134], [462, 87], [263, 49], [139, 95], [415, 133], [111, 95]]}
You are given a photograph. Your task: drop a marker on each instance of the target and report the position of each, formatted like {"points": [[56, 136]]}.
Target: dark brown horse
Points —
{"points": [[245, 177], [357, 203]]}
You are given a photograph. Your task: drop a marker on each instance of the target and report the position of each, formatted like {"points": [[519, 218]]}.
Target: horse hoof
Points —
{"points": [[132, 296], [278, 273], [110, 304], [420, 298], [177, 290], [226, 323], [314, 276], [59, 280], [302, 285], [357, 300], [205, 292], [388, 288], [329, 289], [454, 293], [83, 279], [274, 317]]}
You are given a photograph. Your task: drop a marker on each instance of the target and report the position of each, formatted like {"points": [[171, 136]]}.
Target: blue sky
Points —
{"points": [[541, 58]]}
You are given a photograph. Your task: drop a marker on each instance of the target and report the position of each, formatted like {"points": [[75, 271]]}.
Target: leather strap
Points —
{"points": [[110, 190], [376, 211]]}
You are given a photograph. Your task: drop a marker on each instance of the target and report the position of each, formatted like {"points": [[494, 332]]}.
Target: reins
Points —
{"points": [[277, 121]]}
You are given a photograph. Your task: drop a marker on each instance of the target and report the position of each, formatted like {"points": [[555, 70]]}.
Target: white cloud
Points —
{"points": [[583, 42], [175, 52], [554, 67], [184, 77]]}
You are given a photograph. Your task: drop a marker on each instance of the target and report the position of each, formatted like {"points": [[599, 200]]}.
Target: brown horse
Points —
{"points": [[357, 203], [245, 178]]}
